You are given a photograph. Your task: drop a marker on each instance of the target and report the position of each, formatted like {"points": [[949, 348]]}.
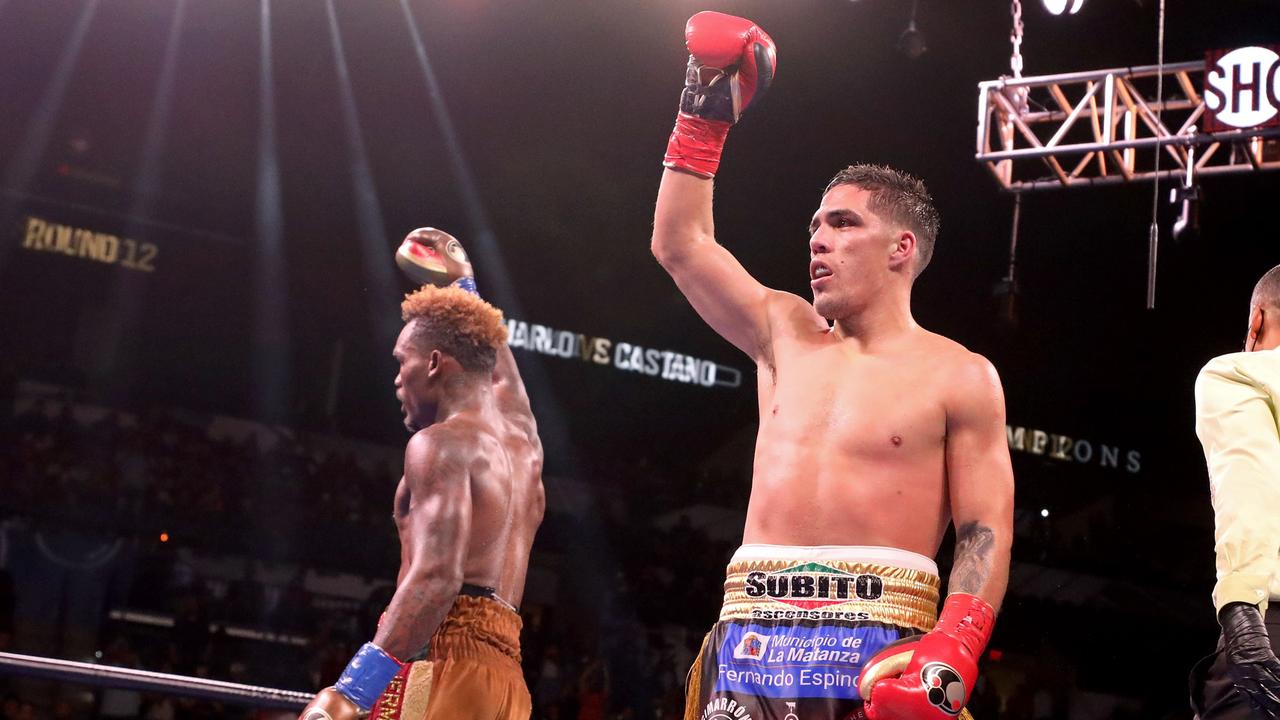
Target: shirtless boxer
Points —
{"points": [[1236, 420], [467, 509], [875, 434]]}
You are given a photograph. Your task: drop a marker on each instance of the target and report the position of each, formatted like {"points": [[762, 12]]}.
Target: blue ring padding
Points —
{"points": [[468, 284], [367, 675]]}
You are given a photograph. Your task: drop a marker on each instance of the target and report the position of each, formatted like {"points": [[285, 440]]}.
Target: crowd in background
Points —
{"points": [[632, 600], [161, 473]]}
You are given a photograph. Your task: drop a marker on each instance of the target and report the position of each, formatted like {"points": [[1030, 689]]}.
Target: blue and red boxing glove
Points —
{"points": [[930, 676], [434, 257], [358, 688], [731, 63]]}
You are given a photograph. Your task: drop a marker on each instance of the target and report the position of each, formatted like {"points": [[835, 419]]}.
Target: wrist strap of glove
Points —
{"points": [[696, 144], [467, 283], [969, 619], [1243, 630], [367, 675]]}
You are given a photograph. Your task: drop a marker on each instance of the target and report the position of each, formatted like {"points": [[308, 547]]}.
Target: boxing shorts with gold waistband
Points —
{"points": [[470, 671], [797, 625]]}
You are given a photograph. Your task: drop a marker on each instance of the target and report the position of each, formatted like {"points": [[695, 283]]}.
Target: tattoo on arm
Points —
{"points": [[975, 544]]}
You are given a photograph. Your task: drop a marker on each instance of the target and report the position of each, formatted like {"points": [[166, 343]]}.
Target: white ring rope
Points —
{"points": [[131, 679]]}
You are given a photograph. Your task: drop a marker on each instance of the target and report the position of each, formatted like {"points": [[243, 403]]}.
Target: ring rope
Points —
{"points": [[131, 679]]}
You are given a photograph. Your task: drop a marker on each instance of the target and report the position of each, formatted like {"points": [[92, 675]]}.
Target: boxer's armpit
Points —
{"points": [[975, 546]]}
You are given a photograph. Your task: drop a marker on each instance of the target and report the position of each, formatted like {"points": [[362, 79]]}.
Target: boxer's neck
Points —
{"points": [[465, 394], [878, 323]]}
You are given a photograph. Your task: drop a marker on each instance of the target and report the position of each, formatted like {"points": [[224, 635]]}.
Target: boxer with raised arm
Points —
{"points": [[875, 435], [467, 509]]}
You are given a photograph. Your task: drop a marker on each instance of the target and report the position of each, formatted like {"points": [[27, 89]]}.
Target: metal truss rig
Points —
{"points": [[1086, 128]]}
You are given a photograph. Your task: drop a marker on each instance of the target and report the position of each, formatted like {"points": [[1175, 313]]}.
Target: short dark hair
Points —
{"points": [[1267, 292], [900, 197], [458, 323]]}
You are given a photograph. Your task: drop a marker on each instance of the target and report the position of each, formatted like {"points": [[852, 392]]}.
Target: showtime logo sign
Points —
{"points": [[1242, 88]]}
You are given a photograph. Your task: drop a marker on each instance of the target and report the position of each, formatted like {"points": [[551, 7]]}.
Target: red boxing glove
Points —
{"points": [[930, 676], [731, 64]]}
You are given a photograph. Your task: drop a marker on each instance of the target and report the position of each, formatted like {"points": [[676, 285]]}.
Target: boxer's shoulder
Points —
{"points": [[970, 379], [946, 354], [450, 444], [791, 315]]}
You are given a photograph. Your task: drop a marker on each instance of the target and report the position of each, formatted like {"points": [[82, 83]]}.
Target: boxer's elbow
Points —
{"points": [[440, 566], [440, 578], [672, 248], [662, 247]]}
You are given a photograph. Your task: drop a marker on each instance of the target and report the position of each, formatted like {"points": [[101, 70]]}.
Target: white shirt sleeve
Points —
{"points": [[1236, 424]]}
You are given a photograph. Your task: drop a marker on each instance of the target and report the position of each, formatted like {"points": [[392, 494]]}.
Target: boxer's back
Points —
{"points": [[504, 472], [852, 442], [507, 507]]}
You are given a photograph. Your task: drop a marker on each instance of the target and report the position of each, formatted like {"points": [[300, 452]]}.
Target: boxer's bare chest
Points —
{"points": [[888, 405], [842, 432]]}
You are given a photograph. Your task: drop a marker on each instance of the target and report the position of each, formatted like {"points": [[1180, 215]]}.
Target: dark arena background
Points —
{"points": [[199, 438]]}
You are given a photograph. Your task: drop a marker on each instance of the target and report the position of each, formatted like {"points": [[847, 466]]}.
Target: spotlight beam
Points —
{"points": [[127, 289], [483, 244], [24, 164], [157, 133], [270, 331], [380, 279]]}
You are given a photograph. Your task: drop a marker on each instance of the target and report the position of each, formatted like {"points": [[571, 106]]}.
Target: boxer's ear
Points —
{"points": [[1255, 327], [903, 249]]}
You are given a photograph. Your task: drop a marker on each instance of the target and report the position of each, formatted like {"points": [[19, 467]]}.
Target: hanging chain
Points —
{"points": [[1015, 60]]}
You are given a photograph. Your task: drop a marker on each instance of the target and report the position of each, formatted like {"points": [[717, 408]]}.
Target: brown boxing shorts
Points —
{"points": [[471, 670]]}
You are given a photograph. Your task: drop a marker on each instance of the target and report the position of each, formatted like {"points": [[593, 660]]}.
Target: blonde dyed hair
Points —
{"points": [[457, 323]]}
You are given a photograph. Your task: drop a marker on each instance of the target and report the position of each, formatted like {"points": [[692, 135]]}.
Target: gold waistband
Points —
{"points": [[830, 589], [477, 626]]}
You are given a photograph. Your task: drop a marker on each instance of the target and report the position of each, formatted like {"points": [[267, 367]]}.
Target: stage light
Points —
{"points": [[911, 42], [1057, 7], [164, 537], [1044, 512]]}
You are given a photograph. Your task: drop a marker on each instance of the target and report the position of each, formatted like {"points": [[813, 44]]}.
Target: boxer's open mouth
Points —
{"points": [[818, 269]]}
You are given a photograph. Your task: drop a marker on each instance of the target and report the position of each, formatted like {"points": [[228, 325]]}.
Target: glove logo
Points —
{"points": [[944, 687], [318, 715], [454, 248]]}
